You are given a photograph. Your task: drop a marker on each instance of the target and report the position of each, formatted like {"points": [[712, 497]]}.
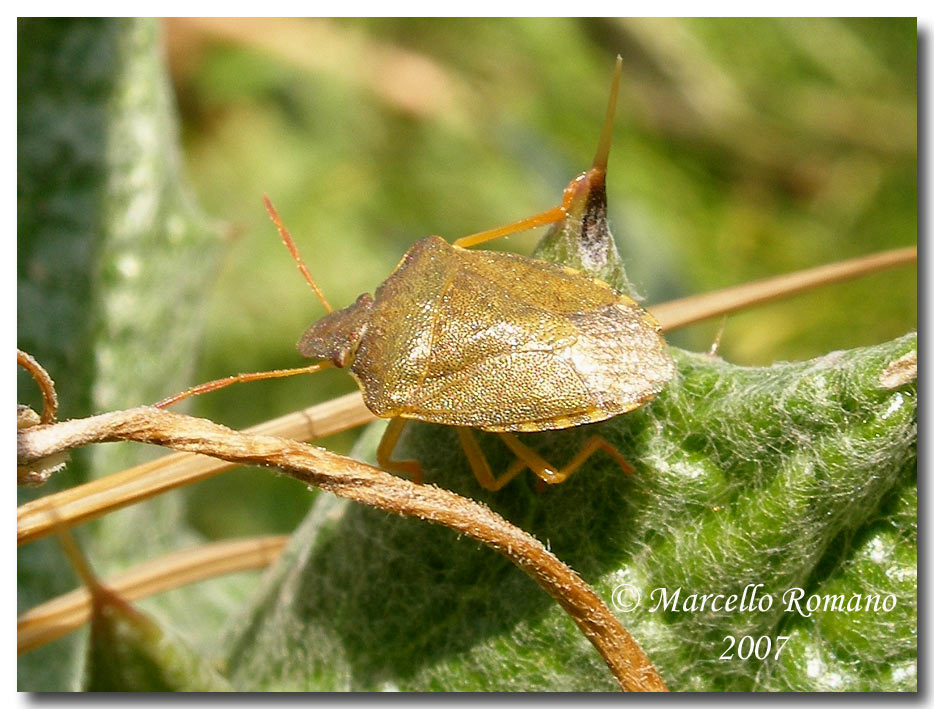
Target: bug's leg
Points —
{"points": [[386, 446], [556, 214], [591, 446], [480, 466], [547, 472]]}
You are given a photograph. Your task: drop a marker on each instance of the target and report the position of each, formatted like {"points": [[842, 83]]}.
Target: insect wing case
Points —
{"points": [[502, 342]]}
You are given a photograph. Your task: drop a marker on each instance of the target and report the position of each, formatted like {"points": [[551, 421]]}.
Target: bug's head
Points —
{"points": [[337, 335]]}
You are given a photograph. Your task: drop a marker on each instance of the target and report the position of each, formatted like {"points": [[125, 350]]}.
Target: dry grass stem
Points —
{"points": [[49, 621], [370, 486], [686, 311]]}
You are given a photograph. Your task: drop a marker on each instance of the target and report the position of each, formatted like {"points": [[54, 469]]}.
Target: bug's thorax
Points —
{"points": [[337, 335]]}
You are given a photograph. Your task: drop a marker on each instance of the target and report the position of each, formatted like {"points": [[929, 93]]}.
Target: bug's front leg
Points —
{"points": [[387, 445]]}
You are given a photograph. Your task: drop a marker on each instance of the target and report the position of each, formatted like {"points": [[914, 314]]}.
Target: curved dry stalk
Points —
{"points": [[45, 383], [39, 472], [370, 486], [60, 616], [99, 497]]}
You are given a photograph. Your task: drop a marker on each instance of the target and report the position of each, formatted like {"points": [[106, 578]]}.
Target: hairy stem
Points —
{"points": [[97, 498], [370, 486]]}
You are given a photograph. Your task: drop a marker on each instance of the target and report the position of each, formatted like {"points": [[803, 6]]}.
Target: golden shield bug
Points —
{"points": [[490, 340]]}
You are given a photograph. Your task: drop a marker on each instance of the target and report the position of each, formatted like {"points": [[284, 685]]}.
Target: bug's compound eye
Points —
{"points": [[342, 358]]}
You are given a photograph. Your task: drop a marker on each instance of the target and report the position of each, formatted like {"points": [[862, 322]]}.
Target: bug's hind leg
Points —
{"points": [[480, 466], [387, 444], [547, 472]]}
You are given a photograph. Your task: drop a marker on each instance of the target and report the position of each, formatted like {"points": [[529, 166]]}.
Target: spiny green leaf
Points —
{"points": [[597, 253]]}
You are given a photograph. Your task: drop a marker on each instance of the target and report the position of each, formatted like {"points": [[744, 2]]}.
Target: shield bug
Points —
{"points": [[490, 340]]}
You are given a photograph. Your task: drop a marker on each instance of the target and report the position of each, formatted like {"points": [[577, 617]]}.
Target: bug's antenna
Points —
{"points": [[273, 373], [238, 378], [606, 137], [293, 249]]}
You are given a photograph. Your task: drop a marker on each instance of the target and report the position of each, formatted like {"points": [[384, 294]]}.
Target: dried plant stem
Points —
{"points": [[686, 311], [45, 383], [49, 621], [368, 485], [99, 497], [83, 503]]}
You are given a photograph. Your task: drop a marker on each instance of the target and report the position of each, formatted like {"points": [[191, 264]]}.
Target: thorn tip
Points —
{"points": [[606, 136]]}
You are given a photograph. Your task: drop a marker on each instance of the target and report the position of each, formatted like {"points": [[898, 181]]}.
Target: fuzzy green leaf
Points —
{"points": [[866, 648], [129, 652], [744, 476]]}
